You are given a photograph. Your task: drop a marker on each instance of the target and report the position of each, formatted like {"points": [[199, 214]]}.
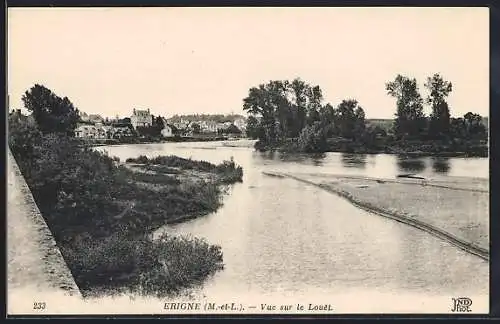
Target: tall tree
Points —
{"points": [[410, 119], [438, 89], [253, 127], [285, 107], [52, 113], [474, 126], [350, 119], [299, 91], [258, 103], [314, 105]]}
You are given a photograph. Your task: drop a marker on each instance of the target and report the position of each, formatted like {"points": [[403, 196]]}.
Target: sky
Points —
{"points": [[109, 61]]}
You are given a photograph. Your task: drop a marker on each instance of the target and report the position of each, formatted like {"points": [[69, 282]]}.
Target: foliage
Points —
{"points": [[290, 116], [24, 135], [312, 139], [286, 108], [410, 119], [254, 129], [232, 129], [51, 112], [474, 126], [160, 267], [349, 119], [126, 121], [439, 89], [228, 171]]}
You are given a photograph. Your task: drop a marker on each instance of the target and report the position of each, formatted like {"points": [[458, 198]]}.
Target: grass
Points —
{"points": [[160, 179], [161, 169], [227, 172]]}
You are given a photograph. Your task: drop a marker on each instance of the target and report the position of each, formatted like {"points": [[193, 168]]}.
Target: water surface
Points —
{"points": [[282, 237]]}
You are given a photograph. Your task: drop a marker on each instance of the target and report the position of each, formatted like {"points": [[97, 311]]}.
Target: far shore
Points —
{"points": [[106, 142], [228, 143], [455, 209]]}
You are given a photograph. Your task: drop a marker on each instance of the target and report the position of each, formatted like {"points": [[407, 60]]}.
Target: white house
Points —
{"points": [[208, 126], [167, 131], [241, 124], [121, 131], [86, 131], [220, 126], [141, 118], [182, 124]]}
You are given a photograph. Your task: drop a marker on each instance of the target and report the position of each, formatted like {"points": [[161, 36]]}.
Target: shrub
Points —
{"points": [[312, 139], [123, 263]]}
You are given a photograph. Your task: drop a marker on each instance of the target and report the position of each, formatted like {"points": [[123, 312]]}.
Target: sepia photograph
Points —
{"points": [[247, 160]]}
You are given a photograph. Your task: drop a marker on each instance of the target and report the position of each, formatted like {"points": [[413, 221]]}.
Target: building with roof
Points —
{"points": [[141, 118]]}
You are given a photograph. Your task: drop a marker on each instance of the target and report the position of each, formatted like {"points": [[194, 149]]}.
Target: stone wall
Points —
{"points": [[34, 260]]}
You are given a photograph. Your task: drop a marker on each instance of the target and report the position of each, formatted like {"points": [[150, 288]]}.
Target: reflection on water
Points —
{"points": [[352, 160], [280, 236], [311, 159], [441, 164], [410, 164]]}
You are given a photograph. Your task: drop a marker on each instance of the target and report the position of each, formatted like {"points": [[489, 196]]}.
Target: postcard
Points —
{"points": [[241, 161]]}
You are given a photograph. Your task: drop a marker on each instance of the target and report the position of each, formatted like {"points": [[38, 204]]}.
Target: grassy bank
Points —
{"points": [[101, 212], [458, 206], [224, 173]]}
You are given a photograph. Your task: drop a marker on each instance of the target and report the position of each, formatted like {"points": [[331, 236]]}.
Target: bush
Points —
{"points": [[122, 263], [312, 139], [184, 260]]}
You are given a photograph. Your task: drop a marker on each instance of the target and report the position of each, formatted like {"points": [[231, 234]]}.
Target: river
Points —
{"points": [[282, 238]]}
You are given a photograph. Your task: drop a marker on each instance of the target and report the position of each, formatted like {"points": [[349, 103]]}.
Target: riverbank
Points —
{"points": [[416, 148], [175, 139], [452, 208], [101, 213], [154, 192]]}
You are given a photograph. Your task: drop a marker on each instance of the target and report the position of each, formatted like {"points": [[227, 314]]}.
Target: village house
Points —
{"points": [[121, 131], [182, 124], [86, 131], [167, 131], [241, 124], [208, 126], [223, 126], [100, 131], [141, 118]]}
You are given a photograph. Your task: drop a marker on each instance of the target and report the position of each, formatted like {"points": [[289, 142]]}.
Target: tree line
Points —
{"points": [[284, 111], [410, 120]]}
